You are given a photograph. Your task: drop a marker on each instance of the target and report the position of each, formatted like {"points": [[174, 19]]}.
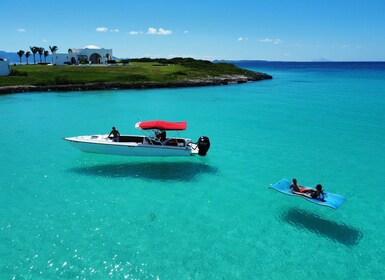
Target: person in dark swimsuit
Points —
{"points": [[316, 193], [161, 136], [115, 134]]}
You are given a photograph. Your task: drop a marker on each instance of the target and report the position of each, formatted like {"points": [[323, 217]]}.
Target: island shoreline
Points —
{"points": [[212, 81]]}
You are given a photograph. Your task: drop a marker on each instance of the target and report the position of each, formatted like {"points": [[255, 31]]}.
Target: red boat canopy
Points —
{"points": [[161, 125]]}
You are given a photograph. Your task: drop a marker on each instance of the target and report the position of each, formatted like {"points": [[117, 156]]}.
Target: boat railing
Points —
{"points": [[153, 141]]}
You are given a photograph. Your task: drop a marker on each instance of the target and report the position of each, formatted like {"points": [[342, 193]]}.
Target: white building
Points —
{"points": [[4, 67], [87, 55]]}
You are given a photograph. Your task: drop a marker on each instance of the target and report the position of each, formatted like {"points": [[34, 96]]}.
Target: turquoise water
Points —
{"points": [[69, 215]]}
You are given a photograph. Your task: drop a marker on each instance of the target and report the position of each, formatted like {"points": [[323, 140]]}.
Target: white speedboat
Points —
{"points": [[156, 143]]}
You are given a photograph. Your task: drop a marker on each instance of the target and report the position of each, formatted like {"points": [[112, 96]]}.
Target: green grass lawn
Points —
{"points": [[134, 72]]}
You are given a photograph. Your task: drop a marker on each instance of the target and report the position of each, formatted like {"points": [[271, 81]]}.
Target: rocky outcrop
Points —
{"points": [[210, 81]]}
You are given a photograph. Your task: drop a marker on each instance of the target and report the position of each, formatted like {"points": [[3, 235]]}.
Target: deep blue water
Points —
{"points": [[69, 215]]}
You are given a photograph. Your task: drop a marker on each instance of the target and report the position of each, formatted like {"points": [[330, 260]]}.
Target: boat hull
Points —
{"points": [[101, 145]]}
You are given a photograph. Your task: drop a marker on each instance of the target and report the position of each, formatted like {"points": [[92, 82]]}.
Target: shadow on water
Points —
{"points": [[340, 233], [174, 171]]}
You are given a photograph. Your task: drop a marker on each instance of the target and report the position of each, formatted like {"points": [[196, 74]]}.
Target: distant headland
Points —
{"points": [[125, 74]]}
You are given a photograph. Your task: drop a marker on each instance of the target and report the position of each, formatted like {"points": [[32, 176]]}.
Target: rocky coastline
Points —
{"points": [[212, 81]]}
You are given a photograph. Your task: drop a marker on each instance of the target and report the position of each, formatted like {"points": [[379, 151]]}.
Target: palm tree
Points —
{"points": [[46, 53], [40, 50], [20, 54], [34, 51], [53, 50], [27, 54], [107, 57]]}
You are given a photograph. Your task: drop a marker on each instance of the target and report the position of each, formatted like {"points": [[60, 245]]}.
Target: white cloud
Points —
{"points": [[105, 29], [277, 41], [160, 31], [271, 41], [135, 32], [151, 31], [164, 32], [266, 40], [242, 39], [21, 30], [101, 29], [185, 32]]}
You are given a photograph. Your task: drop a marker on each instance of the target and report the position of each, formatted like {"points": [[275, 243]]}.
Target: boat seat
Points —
{"points": [[175, 142], [135, 139]]}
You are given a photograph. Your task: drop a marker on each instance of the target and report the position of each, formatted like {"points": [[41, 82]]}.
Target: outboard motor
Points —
{"points": [[203, 145]]}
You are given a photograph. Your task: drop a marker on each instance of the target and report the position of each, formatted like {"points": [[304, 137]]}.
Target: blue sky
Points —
{"points": [[292, 30]]}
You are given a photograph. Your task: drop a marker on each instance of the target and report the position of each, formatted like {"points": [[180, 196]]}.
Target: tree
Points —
{"points": [[53, 50], [20, 53], [27, 54], [40, 50], [34, 51], [46, 53], [69, 50]]}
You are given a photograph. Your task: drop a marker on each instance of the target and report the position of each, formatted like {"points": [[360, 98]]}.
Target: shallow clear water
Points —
{"points": [[69, 215]]}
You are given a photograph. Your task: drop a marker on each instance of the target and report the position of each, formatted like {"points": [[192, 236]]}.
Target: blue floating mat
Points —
{"points": [[331, 200]]}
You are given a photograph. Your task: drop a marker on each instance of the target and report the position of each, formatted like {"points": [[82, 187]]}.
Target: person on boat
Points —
{"points": [[115, 134], [296, 188], [161, 136]]}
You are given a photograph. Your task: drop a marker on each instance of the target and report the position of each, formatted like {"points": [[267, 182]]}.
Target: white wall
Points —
{"points": [[61, 58], [4, 68]]}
